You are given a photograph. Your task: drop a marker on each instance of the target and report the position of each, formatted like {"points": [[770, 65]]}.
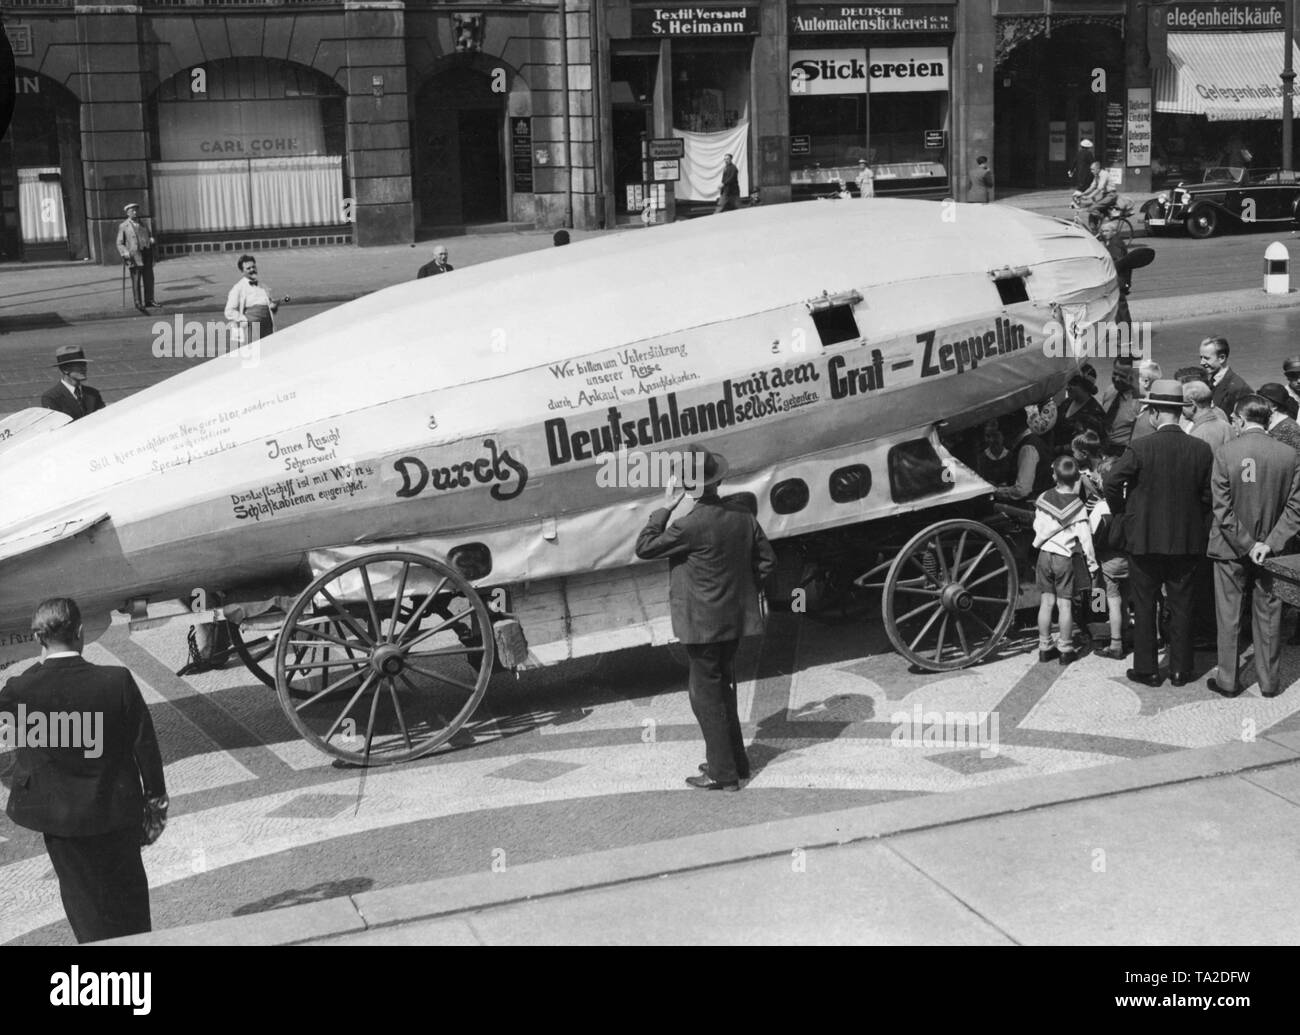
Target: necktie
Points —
{"points": [[77, 395]]}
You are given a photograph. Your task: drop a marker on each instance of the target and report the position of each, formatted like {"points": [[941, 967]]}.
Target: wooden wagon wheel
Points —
{"points": [[950, 595], [258, 653], [384, 687]]}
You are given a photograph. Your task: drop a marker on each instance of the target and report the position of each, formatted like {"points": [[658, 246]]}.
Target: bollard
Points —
{"points": [[1277, 279]]}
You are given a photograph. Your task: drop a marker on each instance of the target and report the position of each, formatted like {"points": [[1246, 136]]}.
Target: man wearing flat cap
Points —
{"points": [[1159, 491], [718, 558], [1282, 423], [72, 395], [135, 245]]}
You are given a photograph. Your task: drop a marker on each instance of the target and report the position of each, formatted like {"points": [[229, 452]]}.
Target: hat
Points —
{"points": [[1085, 143], [1279, 397], [129, 205], [66, 354], [1291, 366], [1165, 394], [714, 466]]}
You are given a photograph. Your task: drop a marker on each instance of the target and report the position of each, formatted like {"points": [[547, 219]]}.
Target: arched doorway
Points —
{"points": [[1051, 90], [41, 175], [459, 154]]}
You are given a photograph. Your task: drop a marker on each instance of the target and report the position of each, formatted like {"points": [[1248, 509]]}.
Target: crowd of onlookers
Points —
{"points": [[1175, 534]]}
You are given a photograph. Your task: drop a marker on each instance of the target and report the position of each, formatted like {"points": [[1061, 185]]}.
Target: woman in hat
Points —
{"points": [[1082, 413], [72, 395], [1282, 425]]}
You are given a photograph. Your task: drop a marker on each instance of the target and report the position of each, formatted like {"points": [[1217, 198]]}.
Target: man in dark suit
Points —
{"points": [[72, 395], [87, 798], [1227, 385], [438, 265], [718, 558], [1160, 490], [729, 191], [1256, 487]]}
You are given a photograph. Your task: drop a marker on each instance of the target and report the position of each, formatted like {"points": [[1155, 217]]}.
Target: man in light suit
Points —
{"points": [[88, 799], [718, 559], [1256, 486], [1226, 384], [1159, 491]]}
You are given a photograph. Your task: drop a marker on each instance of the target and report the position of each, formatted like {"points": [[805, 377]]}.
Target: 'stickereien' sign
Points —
{"points": [[907, 69]]}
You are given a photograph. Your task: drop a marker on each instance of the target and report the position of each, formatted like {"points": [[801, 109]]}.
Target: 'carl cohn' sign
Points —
{"points": [[965, 351]]}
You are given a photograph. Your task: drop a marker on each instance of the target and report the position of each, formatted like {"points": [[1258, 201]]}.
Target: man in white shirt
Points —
{"points": [[249, 306], [866, 181], [1099, 196]]}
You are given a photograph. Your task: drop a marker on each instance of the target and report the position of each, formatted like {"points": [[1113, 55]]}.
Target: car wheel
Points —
{"points": [[1202, 223]]}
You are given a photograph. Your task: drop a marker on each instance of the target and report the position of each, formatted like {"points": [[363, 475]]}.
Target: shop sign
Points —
{"points": [[284, 128], [801, 144], [20, 39], [1115, 151], [1139, 127], [665, 147], [814, 73], [1056, 141], [667, 170], [1222, 17], [873, 18], [695, 21], [935, 138], [907, 69], [521, 153]]}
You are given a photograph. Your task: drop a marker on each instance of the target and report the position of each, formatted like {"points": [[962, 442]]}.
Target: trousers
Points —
{"points": [[142, 279], [1148, 572], [713, 700], [1237, 582], [102, 882]]}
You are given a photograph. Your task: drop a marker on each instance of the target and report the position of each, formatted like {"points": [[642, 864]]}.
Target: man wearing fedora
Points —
{"points": [[718, 558], [1159, 491], [72, 395], [135, 245], [1256, 486]]}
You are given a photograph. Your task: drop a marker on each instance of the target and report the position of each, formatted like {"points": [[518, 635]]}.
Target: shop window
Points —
{"points": [[898, 125], [710, 90]]}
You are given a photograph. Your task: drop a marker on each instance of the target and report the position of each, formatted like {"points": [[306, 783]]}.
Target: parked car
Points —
{"points": [[1228, 195]]}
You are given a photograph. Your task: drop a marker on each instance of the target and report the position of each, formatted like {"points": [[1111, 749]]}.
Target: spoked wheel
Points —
{"points": [[385, 640], [1122, 230], [950, 595], [255, 645]]}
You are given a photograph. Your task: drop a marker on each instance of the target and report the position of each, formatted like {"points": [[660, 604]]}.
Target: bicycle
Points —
{"points": [[1115, 223]]}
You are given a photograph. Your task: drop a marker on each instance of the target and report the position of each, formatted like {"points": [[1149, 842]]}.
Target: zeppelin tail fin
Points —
{"points": [[47, 532], [25, 425]]}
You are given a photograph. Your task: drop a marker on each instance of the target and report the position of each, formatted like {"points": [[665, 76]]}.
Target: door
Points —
{"points": [[481, 167]]}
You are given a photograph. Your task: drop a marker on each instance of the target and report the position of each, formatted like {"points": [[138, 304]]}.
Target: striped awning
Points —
{"points": [[1222, 75]]}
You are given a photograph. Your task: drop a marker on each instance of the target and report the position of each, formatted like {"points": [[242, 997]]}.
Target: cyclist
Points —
{"points": [[1099, 197]]}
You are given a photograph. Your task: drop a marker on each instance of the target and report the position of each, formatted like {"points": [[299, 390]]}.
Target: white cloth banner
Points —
{"points": [[262, 193], [40, 206], [702, 167]]}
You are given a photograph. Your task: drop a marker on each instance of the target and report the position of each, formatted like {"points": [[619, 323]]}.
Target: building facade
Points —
{"points": [[244, 122]]}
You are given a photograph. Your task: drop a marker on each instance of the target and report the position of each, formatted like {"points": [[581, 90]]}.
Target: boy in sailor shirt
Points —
{"points": [[1060, 525]]}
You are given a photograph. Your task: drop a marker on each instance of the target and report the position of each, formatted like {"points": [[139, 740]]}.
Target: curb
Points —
{"points": [[36, 321], [1186, 307], [449, 896]]}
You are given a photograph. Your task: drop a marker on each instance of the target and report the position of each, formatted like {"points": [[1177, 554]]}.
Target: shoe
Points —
{"points": [[1068, 657], [142, 309], [1275, 693], [742, 773], [153, 305], [1114, 653], [1145, 678], [1051, 654], [1179, 678], [1214, 686], [703, 783]]}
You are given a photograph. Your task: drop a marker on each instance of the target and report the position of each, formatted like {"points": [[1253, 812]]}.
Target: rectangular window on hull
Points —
{"points": [[836, 324]]}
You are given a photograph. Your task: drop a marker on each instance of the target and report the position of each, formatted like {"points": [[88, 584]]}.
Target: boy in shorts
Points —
{"points": [[1060, 525]]}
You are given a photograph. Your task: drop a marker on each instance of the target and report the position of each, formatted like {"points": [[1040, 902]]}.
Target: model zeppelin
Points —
{"points": [[412, 491]]}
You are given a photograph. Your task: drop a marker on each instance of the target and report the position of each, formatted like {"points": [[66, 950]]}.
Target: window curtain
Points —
{"points": [[40, 206], [259, 193], [702, 167]]}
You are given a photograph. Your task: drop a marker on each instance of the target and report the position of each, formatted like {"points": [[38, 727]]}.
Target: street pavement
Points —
{"points": [[1091, 812]]}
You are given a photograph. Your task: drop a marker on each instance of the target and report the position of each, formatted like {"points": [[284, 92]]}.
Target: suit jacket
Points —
{"points": [[59, 398], [432, 269], [1089, 415], [981, 186], [1230, 388], [1287, 432], [730, 181], [717, 558], [58, 790], [1159, 491], [134, 241], [1264, 508]]}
